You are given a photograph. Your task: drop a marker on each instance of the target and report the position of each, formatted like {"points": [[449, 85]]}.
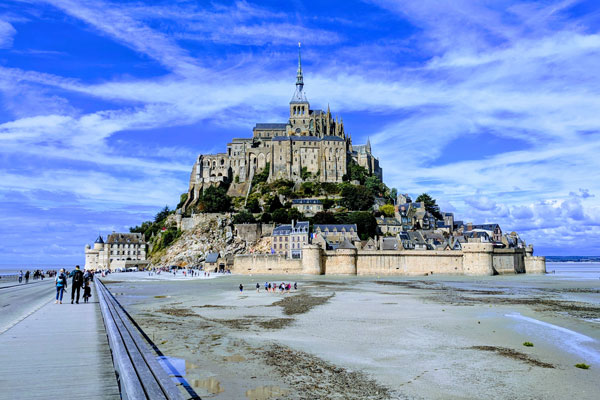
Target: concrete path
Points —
{"points": [[59, 351]]}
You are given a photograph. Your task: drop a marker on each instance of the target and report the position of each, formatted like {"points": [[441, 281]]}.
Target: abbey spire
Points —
{"points": [[299, 96]]}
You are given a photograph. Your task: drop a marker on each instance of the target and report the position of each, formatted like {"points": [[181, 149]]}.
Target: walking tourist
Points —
{"points": [[257, 287], [77, 282], [241, 288], [295, 286], [61, 285], [266, 286], [87, 289], [21, 276], [27, 276]]}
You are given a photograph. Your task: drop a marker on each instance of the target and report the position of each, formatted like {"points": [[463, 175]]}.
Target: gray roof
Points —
{"points": [[487, 227], [307, 201], [125, 238], [334, 138], [336, 227], [308, 138], [388, 221], [271, 126], [346, 245], [99, 240], [390, 243], [282, 230], [212, 257]]}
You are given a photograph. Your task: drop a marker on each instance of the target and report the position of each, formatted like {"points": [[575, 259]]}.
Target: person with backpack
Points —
{"points": [[61, 285], [77, 281]]}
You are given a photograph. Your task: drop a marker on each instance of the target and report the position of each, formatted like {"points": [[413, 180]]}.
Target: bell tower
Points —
{"points": [[299, 106]]}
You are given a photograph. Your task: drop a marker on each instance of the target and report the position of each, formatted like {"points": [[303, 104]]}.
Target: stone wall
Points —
{"points": [[265, 264], [409, 262], [189, 223], [509, 261], [535, 265], [478, 259]]}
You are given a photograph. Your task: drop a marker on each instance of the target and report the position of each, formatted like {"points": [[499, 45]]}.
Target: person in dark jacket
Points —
{"points": [[77, 283], [87, 288]]}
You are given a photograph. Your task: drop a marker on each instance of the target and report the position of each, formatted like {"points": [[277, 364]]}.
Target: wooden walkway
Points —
{"points": [[59, 352]]}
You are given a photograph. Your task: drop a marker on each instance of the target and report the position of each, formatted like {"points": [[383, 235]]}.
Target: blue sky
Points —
{"points": [[490, 106]]}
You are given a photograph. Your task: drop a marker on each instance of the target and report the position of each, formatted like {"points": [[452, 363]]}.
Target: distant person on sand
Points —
{"points": [[21, 276], [295, 286], [257, 287], [241, 288], [61, 285], [27, 276], [77, 282], [266, 286]]}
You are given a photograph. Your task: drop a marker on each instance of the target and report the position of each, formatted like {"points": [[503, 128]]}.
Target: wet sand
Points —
{"points": [[369, 338]]}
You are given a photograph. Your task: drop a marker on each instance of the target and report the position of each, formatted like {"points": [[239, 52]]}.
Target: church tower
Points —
{"points": [[299, 106]]}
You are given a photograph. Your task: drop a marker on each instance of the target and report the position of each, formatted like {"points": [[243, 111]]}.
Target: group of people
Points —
{"points": [[273, 287], [79, 280]]}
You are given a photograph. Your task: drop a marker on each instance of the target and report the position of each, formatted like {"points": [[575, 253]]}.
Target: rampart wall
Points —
{"points": [[478, 259]]}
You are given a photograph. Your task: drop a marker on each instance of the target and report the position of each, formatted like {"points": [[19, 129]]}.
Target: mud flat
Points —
{"points": [[369, 338]]}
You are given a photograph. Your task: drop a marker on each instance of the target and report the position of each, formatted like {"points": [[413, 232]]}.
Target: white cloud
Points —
{"points": [[7, 32]]}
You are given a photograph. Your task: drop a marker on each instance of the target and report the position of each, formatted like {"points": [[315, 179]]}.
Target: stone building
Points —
{"points": [[311, 141], [288, 240], [308, 207], [121, 250], [333, 235]]}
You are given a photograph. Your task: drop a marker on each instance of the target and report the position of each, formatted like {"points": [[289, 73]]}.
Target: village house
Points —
{"points": [[331, 236], [308, 207], [289, 239]]}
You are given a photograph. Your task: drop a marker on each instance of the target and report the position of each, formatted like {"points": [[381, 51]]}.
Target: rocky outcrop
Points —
{"points": [[214, 233]]}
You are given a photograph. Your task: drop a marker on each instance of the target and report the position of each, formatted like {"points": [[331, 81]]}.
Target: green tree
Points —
{"points": [[280, 216], [357, 198], [275, 204], [388, 210], [375, 186], [182, 199], [305, 174], [355, 172], [252, 205], [323, 218], [364, 220], [215, 199], [262, 176], [295, 215], [328, 203], [307, 188], [162, 214], [265, 218], [243, 217], [394, 195], [430, 205]]}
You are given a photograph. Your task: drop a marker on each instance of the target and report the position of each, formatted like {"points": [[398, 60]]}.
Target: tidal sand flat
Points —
{"points": [[369, 338]]}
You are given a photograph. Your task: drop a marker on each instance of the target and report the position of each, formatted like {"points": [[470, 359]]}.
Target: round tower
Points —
{"points": [[99, 243]]}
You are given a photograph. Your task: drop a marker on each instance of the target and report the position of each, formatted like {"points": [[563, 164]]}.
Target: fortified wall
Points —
{"points": [[477, 259]]}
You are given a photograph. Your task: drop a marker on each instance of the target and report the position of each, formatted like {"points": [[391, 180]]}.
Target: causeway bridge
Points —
{"points": [[80, 351]]}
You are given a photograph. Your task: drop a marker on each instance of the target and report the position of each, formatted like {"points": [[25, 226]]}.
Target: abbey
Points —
{"points": [[311, 141]]}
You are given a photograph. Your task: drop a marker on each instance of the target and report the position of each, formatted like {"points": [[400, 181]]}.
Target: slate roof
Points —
{"points": [[388, 221], [212, 258], [307, 201], [390, 243], [296, 138], [99, 240], [336, 227], [346, 245], [271, 126], [487, 227], [282, 230], [132, 238]]}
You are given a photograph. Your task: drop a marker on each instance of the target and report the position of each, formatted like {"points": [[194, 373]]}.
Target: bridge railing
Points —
{"points": [[139, 374]]}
